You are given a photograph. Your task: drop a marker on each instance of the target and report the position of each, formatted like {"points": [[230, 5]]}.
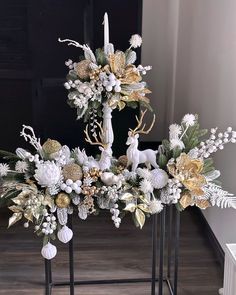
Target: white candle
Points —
{"points": [[106, 30]]}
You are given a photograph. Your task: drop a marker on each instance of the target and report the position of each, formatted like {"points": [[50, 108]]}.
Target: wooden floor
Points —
{"points": [[103, 252]]}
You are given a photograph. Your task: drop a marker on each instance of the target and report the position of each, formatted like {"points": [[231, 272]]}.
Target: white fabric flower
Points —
{"points": [[189, 120], [4, 169], [159, 178], [174, 131], [176, 143], [48, 174], [135, 41], [146, 186], [21, 166], [155, 206], [143, 173]]}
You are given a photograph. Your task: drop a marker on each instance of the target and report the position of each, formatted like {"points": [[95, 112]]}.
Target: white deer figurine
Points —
{"points": [[105, 148], [136, 157]]}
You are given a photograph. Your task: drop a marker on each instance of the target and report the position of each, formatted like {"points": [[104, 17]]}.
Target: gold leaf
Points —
{"points": [[28, 214], [144, 207], [130, 207], [47, 201], [186, 200], [15, 209], [140, 217], [202, 204], [14, 218], [121, 105], [127, 197]]}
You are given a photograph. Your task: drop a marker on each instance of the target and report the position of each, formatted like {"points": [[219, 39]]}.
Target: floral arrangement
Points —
{"points": [[47, 184]]}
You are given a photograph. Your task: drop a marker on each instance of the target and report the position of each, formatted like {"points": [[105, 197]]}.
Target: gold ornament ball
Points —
{"points": [[62, 200], [83, 69], [51, 146], [72, 171]]}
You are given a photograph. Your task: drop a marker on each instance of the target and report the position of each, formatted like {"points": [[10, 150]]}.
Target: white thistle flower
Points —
{"points": [[4, 169], [48, 174], [129, 175], [21, 166], [159, 178], [174, 131], [143, 173], [146, 186], [176, 143], [135, 41], [155, 206], [189, 120]]}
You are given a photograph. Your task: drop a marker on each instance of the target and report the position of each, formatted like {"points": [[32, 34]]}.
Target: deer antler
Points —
{"points": [[96, 142], [137, 129]]}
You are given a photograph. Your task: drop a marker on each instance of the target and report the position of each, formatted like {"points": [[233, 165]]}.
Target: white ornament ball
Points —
{"points": [[65, 234], [49, 251]]}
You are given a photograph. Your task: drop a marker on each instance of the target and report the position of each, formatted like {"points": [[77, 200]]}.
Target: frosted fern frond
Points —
{"points": [[219, 197]]}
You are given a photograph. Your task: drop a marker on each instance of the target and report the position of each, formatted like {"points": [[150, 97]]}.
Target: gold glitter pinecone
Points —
{"points": [[123, 161], [51, 146], [62, 200], [83, 69], [72, 171]]}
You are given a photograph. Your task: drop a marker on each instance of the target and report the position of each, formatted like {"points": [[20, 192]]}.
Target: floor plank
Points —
{"points": [[103, 252]]}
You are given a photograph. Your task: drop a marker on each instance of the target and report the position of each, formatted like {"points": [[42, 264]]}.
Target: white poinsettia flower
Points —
{"points": [[4, 169], [189, 120], [135, 41], [159, 178], [48, 174]]}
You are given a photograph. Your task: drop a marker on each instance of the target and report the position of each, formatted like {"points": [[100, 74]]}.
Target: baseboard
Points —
{"points": [[218, 250]]}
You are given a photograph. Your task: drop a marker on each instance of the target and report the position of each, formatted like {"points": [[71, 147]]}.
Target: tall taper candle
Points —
{"points": [[106, 30]]}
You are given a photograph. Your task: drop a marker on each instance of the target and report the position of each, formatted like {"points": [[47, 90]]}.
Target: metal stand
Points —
{"points": [[167, 275]]}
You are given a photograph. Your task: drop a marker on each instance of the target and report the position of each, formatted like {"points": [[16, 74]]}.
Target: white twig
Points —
{"points": [[33, 140]]}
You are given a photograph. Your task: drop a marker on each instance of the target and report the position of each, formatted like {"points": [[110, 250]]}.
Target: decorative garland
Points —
{"points": [[46, 185]]}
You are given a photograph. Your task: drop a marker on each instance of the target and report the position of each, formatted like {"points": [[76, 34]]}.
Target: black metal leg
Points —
{"points": [[169, 232], [161, 254], [176, 263], [48, 276], [154, 252], [71, 260]]}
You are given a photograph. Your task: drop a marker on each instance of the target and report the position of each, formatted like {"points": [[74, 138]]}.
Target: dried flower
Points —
{"points": [[174, 131], [159, 178], [4, 169], [189, 120], [21, 166], [146, 186], [155, 206], [176, 143], [135, 41]]}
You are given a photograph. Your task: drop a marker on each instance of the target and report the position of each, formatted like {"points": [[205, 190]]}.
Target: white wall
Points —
{"points": [[198, 77]]}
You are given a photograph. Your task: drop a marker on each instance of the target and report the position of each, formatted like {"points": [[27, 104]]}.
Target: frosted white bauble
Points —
{"points": [[65, 234], [49, 251]]}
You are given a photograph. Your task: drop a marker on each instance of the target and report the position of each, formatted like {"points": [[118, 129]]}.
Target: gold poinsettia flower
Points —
{"points": [[188, 172], [127, 74], [187, 199]]}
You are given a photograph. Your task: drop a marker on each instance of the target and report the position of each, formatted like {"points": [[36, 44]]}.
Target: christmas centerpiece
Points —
{"points": [[45, 185]]}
